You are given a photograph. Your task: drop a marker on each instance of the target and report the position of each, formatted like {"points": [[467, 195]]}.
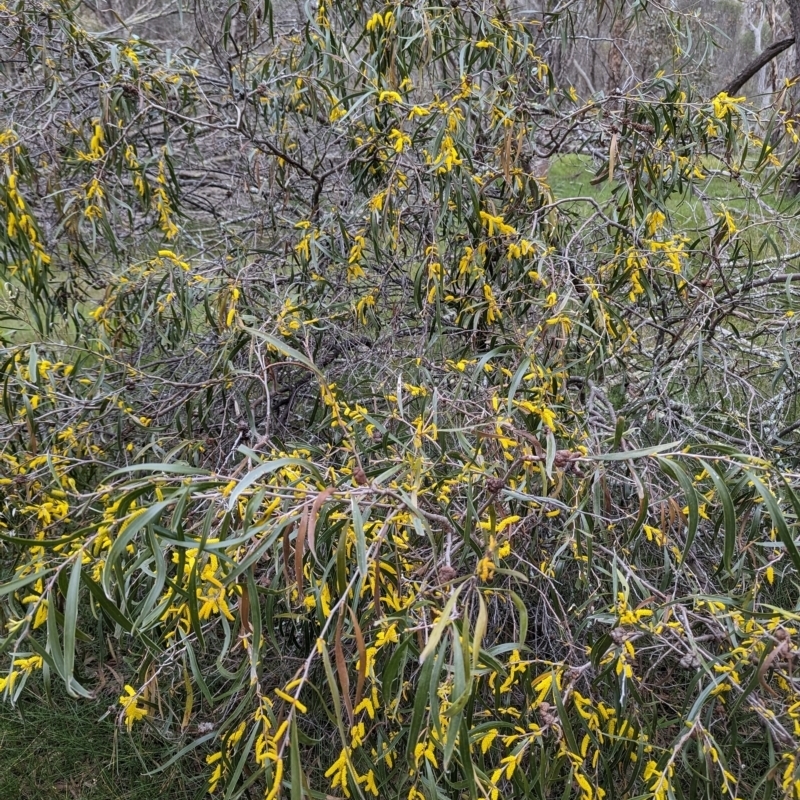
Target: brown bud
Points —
{"points": [[620, 635], [566, 458], [546, 711], [359, 476], [447, 573], [495, 485], [690, 661]]}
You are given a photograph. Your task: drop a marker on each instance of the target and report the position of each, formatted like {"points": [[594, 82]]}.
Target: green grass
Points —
{"points": [[65, 751], [570, 175]]}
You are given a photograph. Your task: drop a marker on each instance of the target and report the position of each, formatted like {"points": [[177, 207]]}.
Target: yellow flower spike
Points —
{"points": [[654, 222], [728, 224], [276, 783], [418, 111], [724, 105], [399, 140], [496, 223], [293, 701], [133, 712], [390, 97]]}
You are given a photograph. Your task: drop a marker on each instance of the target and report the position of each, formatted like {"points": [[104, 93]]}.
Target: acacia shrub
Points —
{"points": [[384, 469]]}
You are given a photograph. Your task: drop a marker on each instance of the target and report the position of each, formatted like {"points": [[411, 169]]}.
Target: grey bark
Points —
{"points": [[794, 11]]}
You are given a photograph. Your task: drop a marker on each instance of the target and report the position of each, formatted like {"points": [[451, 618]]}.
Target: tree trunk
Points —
{"points": [[776, 48], [614, 84], [794, 11]]}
